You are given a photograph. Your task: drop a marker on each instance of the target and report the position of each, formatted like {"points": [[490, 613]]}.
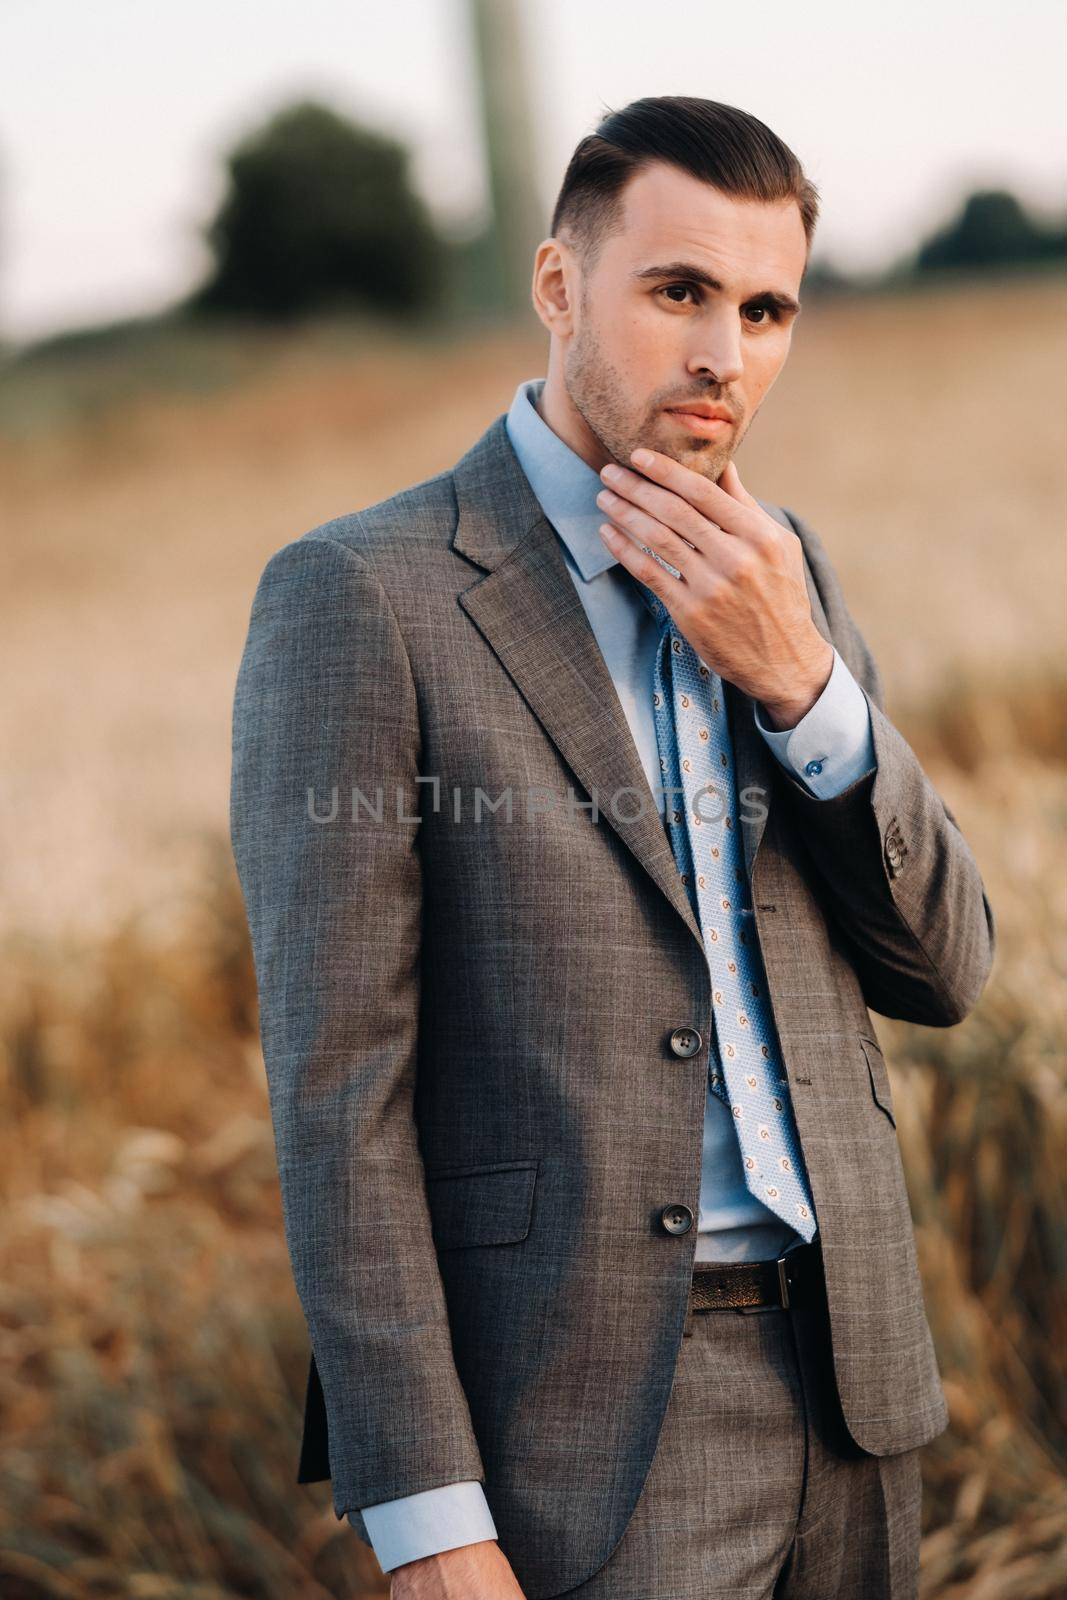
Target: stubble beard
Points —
{"points": [[595, 388]]}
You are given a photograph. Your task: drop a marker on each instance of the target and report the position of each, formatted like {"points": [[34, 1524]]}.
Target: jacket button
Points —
{"points": [[894, 853], [686, 1041], [676, 1219]]}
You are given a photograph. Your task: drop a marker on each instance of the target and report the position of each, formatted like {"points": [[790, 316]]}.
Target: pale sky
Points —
{"points": [[114, 114]]}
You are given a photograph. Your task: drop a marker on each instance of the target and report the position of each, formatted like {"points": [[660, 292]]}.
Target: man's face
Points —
{"points": [[648, 335]]}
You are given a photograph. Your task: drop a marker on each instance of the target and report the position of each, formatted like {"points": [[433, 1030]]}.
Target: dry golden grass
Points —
{"points": [[151, 1348]]}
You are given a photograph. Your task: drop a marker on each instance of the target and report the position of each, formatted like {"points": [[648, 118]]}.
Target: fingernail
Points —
{"points": [[643, 458]]}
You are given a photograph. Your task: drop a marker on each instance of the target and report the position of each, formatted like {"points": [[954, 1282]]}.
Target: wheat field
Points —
{"points": [[152, 1352]]}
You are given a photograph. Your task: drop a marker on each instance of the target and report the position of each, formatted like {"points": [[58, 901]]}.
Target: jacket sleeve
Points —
{"points": [[901, 879], [325, 712]]}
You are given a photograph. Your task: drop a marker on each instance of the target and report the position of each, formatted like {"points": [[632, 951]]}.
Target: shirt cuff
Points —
{"points": [[426, 1523], [831, 746]]}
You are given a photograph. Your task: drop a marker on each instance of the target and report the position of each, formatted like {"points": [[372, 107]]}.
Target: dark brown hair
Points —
{"points": [[730, 149]]}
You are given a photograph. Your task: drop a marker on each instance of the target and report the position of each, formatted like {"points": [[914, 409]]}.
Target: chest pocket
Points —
{"points": [[487, 1204]]}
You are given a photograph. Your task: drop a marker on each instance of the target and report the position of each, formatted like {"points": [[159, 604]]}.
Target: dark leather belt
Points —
{"points": [[734, 1285]]}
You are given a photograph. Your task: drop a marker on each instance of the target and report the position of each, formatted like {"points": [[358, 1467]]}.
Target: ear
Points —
{"points": [[554, 288]]}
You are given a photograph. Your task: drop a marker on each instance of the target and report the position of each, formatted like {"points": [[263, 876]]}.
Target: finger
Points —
{"points": [[715, 504], [644, 568], [669, 510], [731, 482], [647, 529]]}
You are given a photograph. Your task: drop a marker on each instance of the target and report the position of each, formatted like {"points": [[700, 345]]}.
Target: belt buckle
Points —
{"points": [[783, 1283]]}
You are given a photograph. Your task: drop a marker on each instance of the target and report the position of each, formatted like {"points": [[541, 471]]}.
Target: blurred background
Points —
{"points": [[259, 268]]}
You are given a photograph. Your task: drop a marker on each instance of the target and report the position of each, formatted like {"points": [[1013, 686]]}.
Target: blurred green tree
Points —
{"points": [[319, 214], [992, 229]]}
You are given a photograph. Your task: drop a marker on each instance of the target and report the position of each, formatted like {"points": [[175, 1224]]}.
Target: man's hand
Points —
{"points": [[741, 600], [479, 1571]]}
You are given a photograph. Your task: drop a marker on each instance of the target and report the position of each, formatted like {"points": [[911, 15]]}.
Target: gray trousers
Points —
{"points": [[756, 1491]]}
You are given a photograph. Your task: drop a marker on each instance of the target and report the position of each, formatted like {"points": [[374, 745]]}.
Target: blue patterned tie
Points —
{"points": [[697, 768]]}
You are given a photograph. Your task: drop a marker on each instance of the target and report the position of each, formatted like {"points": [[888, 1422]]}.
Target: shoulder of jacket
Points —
{"points": [[814, 549], [846, 634], [424, 514], [816, 556], [381, 542]]}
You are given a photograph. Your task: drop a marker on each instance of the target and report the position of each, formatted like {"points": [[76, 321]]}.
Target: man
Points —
{"points": [[576, 843]]}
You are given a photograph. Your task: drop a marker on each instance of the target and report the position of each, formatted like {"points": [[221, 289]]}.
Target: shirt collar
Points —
{"points": [[565, 485]]}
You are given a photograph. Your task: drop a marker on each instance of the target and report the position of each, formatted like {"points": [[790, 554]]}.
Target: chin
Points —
{"points": [[704, 457]]}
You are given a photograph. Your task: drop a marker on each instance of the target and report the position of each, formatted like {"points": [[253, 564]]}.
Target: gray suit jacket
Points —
{"points": [[465, 1021]]}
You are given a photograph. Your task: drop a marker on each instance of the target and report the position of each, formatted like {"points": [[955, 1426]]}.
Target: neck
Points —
{"points": [[558, 411]]}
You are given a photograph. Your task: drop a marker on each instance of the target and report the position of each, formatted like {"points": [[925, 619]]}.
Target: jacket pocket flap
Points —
{"points": [[489, 1204]]}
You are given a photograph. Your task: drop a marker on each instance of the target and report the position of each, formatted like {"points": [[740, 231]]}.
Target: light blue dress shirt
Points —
{"points": [[830, 747]]}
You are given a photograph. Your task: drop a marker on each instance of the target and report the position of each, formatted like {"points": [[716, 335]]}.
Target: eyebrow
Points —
{"points": [[688, 269]]}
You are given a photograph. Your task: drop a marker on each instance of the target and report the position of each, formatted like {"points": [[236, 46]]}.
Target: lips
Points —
{"points": [[703, 408], [709, 422]]}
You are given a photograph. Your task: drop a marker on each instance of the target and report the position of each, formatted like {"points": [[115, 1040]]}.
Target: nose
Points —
{"points": [[716, 350]]}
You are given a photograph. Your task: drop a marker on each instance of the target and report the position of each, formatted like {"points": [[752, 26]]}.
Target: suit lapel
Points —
{"points": [[529, 612], [527, 609]]}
